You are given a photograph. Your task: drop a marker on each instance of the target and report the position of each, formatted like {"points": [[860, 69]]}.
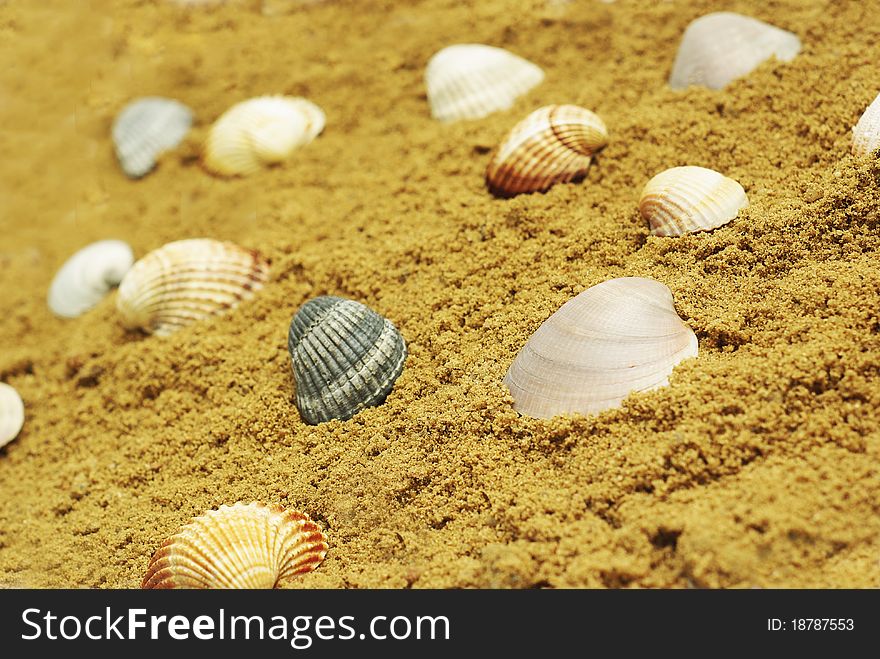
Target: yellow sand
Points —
{"points": [[758, 466]]}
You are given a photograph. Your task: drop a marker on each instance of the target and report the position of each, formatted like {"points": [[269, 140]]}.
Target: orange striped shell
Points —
{"points": [[554, 144], [245, 545]]}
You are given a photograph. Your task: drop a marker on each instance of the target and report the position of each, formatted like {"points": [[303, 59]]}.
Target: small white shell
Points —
{"points": [[87, 276], [470, 81], [866, 134], [687, 199], [186, 281], [260, 132], [147, 127], [11, 414], [721, 47], [620, 336]]}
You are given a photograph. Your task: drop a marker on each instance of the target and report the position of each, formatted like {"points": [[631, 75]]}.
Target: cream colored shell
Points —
{"points": [[620, 336], [239, 546], [721, 47], [687, 199], [866, 134], [87, 276], [554, 144], [470, 81], [260, 132], [11, 414], [186, 281]]}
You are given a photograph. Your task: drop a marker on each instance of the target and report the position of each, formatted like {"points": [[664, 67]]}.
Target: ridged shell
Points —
{"points": [[721, 47], [239, 546], [87, 277], [620, 336], [687, 199], [11, 414], [866, 134], [470, 81], [345, 357], [260, 132], [554, 144], [147, 127], [186, 281]]}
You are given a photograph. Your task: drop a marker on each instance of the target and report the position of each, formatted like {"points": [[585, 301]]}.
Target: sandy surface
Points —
{"points": [[758, 466]]}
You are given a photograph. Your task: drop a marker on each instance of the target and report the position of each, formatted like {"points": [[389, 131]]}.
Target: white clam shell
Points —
{"points": [[147, 127], [11, 414], [866, 134], [721, 47], [186, 281], [87, 276], [687, 199], [470, 81], [259, 132], [615, 338]]}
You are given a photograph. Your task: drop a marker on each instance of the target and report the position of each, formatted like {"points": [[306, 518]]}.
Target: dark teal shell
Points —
{"points": [[345, 357]]}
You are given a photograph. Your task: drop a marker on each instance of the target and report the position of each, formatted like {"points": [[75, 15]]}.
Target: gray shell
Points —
{"points": [[345, 357], [147, 127]]}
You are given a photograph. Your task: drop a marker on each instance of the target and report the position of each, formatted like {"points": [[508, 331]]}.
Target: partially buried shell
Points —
{"points": [[470, 81], [721, 47], [186, 281], [687, 199], [147, 127], [345, 357], [11, 414], [260, 132], [554, 144], [866, 134], [239, 546], [87, 277], [620, 336]]}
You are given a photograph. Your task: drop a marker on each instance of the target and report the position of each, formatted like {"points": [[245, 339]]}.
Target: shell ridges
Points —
{"points": [[554, 144], [720, 47], [617, 337], [345, 357], [260, 132], [245, 545], [145, 128], [688, 199], [186, 281], [471, 81], [866, 133], [87, 276]]}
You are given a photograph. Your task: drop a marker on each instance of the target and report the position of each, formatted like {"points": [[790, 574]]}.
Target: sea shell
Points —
{"points": [[620, 336], [147, 127], [345, 357], [687, 199], [240, 546], [186, 281], [87, 277], [554, 144], [259, 132], [721, 47], [11, 414], [470, 81], [866, 134]]}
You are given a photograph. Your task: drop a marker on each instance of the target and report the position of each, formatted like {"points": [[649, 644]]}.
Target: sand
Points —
{"points": [[757, 466]]}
